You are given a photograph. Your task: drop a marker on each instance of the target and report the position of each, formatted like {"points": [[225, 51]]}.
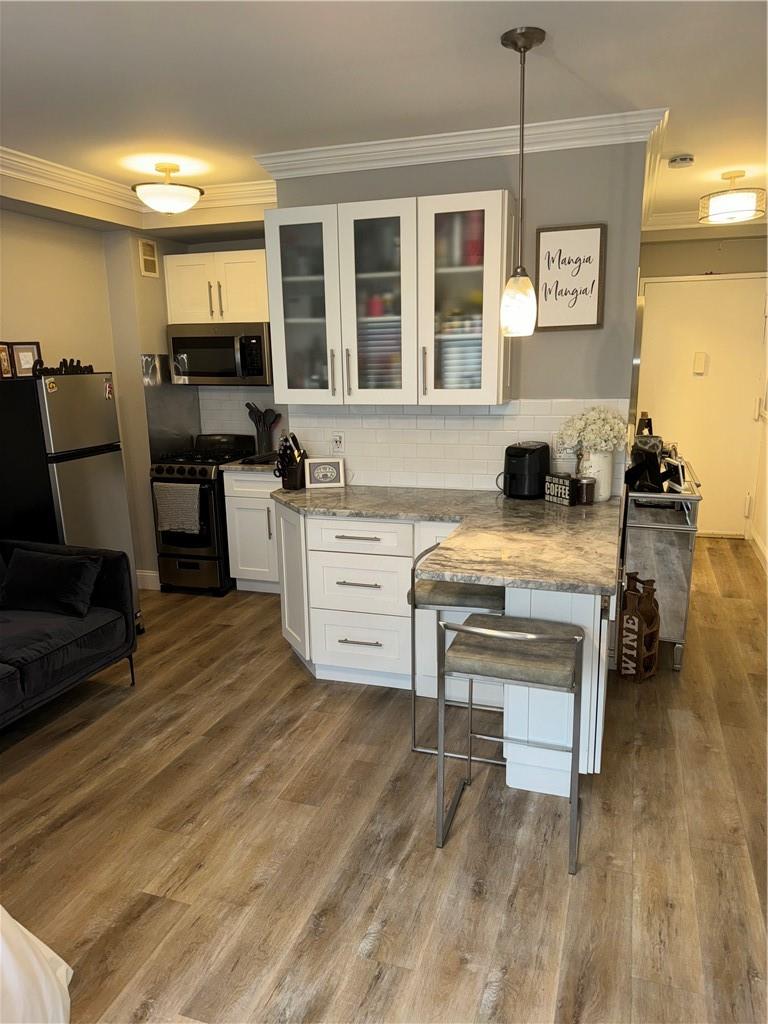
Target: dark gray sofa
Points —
{"points": [[42, 654]]}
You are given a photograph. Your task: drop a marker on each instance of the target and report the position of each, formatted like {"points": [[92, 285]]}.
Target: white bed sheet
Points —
{"points": [[34, 981]]}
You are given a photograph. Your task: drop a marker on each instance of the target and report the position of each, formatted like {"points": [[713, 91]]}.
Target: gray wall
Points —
{"points": [[53, 289], [704, 256], [579, 186]]}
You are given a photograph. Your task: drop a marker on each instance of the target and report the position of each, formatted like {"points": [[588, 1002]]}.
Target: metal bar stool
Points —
{"points": [[436, 596], [530, 652]]}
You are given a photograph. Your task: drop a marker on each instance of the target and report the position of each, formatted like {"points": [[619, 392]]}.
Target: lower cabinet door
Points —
{"points": [[378, 643], [252, 544]]}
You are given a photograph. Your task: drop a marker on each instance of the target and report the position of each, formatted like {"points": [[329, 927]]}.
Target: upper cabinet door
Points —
{"points": [[377, 267], [190, 284], [463, 264], [303, 278], [241, 286]]}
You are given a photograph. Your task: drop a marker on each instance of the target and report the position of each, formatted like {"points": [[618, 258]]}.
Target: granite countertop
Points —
{"points": [[238, 467], [500, 541]]}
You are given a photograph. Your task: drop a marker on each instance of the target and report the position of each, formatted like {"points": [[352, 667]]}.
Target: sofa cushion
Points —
{"points": [[49, 649], [44, 582], [11, 694]]}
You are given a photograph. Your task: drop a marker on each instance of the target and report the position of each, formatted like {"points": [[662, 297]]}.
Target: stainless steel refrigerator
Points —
{"points": [[61, 463]]}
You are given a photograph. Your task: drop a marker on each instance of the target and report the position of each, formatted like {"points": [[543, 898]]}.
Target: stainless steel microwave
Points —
{"points": [[220, 354]]}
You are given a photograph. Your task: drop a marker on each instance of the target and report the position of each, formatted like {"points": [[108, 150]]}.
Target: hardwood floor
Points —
{"points": [[233, 841]]}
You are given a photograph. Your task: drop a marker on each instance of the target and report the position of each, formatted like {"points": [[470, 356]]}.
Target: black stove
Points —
{"points": [[202, 462], [199, 560]]}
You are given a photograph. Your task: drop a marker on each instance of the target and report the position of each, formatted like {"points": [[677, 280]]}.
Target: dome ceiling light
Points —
{"points": [[167, 196], [518, 303], [732, 205]]}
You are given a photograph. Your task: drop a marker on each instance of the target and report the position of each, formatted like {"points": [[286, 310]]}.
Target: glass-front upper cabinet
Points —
{"points": [[377, 267], [463, 265], [303, 280]]}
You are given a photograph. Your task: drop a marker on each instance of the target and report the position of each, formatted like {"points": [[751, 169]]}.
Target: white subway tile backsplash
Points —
{"points": [[437, 446]]}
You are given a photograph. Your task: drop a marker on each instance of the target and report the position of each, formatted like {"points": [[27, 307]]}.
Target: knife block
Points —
{"points": [[293, 479]]}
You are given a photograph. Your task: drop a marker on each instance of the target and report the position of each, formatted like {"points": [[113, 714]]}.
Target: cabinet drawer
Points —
{"points": [[359, 582], [250, 484], [380, 643], [363, 535]]}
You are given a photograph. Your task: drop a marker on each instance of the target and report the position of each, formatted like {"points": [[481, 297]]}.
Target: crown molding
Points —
{"points": [[477, 144], [653, 164], [35, 171]]}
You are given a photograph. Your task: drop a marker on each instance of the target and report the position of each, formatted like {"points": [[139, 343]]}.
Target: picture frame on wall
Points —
{"points": [[324, 472], [149, 264], [23, 356], [570, 277], [6, 362]]}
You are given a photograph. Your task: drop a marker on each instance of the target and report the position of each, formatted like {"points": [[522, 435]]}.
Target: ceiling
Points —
{"points": [[91, 85]]}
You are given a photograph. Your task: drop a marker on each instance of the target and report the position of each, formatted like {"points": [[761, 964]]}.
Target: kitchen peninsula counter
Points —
{"points": [[499, 541]]}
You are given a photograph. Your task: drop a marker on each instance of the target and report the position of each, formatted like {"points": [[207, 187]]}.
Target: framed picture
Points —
{"points": [[6, 362], [324, 472], [148, 261], [23, 356], [570, 277]]}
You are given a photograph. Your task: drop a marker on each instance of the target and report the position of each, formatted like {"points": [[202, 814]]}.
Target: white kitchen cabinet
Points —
{"points": [[463, 267], [303, 276], [393, 301], [377, 266], [218, 287], [292, 570], [252, 539]]}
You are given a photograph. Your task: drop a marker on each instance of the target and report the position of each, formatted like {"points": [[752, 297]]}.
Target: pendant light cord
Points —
{"points": [[519, 246]]}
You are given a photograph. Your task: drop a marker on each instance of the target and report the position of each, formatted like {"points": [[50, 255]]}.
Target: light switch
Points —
{"points": [[700, 364]]}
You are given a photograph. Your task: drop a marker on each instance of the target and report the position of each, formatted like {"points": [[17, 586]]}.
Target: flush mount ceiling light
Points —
{"points": [[732, 205], [167, 196], [518, 303]]}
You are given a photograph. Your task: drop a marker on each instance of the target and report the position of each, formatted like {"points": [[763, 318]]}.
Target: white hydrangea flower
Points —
{"points": [[597, 429]]}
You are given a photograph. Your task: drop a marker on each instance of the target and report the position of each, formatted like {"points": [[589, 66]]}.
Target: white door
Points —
{"points": [[303, 277], [252, 541], [241, 286], [377, 267], [701, 373], [463, 262], [189, 288]]}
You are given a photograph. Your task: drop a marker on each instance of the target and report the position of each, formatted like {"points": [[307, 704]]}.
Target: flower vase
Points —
{"points": [[600, 466]]}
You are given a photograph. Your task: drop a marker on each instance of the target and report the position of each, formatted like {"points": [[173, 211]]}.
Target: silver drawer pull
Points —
{"points": [[345, 536], [368, 586], [362, 643]]}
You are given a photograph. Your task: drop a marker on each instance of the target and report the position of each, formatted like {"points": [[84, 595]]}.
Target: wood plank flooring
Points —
{"points": [[233, 841]]}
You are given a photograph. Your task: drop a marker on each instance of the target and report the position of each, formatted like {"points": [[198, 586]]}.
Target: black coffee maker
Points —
{"points": [[526, 465]]}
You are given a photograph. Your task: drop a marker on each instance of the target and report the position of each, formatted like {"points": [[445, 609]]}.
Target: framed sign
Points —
{"points": [[6, 366], [570, 277], [24, 354], [324, 472]]}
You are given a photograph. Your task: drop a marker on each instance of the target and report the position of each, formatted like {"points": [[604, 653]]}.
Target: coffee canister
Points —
{"points": [[586, 492]]}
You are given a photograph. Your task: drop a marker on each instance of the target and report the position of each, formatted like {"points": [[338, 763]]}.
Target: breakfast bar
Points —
{"points": [[345, 557]]}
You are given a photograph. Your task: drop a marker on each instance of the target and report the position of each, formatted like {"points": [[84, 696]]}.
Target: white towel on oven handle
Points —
{"points": [[178, 507]]}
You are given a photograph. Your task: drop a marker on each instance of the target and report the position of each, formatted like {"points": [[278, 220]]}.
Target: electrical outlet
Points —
{"points": [[337, 444]]}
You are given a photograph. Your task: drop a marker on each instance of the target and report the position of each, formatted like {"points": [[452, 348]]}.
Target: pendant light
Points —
{"points": [[518, 303], [167, 196], [732, 205]]}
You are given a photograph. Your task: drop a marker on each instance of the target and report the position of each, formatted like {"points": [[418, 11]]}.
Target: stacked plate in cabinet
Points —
{"points": [[379, 352], [459, 352]]}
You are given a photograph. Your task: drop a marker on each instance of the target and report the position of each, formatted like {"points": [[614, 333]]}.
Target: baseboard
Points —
{"points": [[758, 546], [148, 579], [258, 587]]}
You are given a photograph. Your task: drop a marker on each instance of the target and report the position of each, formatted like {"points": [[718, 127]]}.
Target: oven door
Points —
{"points": [[206, 543]]}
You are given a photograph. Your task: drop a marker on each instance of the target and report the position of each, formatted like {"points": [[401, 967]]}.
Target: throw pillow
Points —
{"points": [[38, 581]]}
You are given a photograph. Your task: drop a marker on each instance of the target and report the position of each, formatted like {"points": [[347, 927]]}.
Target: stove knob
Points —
{"points": [[159, 470], [170, 470], [191, 471], [203, 471]]}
